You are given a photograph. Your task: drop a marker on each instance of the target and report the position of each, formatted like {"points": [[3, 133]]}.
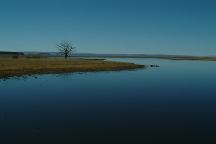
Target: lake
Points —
{"points": [[175, 103]]}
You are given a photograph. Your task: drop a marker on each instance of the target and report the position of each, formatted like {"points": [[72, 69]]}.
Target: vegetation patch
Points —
{"points": [[10, 67]]}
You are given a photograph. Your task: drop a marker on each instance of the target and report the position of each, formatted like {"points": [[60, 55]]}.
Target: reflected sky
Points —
{"points": [[173, 102]]}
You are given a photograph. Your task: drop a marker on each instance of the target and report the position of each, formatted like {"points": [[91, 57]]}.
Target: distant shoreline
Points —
{"points": [[11, 67], [169, 57], [104, 56]]}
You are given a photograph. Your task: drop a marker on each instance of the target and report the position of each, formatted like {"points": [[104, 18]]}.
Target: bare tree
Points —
{"points": [[66, 48]]}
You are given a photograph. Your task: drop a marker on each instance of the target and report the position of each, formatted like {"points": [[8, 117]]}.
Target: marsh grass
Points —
{"points": [[10, 67]]}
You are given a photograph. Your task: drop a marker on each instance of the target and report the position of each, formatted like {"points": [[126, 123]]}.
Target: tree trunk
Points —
{"points": [[66, 56]]}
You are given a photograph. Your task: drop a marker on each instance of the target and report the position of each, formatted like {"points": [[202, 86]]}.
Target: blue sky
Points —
{"points": [[110, 26]]}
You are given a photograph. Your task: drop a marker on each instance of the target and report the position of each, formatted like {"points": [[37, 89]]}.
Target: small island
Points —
{"points": [[10, 67]]}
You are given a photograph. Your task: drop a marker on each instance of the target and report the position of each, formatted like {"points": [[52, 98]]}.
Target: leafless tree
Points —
{"points": [[66, 48]]}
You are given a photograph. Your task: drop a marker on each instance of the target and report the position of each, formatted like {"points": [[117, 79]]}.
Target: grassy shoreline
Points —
{"points": [[10, 67]]}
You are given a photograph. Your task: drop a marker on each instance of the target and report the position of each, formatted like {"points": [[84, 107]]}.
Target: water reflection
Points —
{"points": [[174, 103]]}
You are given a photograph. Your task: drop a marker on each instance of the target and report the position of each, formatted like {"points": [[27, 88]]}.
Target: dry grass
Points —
{"points": [[27, 66]]}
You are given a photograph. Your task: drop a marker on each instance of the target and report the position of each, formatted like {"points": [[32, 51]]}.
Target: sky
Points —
{"points": [[110, 26]]}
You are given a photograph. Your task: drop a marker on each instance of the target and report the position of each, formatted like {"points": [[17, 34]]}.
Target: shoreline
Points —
{"points": [[10, 67]]}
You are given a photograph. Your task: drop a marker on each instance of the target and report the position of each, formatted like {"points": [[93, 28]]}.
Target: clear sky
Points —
{"points": [[110, 26]]}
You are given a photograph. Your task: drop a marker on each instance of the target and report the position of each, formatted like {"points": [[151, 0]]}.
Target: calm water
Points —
{"points": [[175, 103]]}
